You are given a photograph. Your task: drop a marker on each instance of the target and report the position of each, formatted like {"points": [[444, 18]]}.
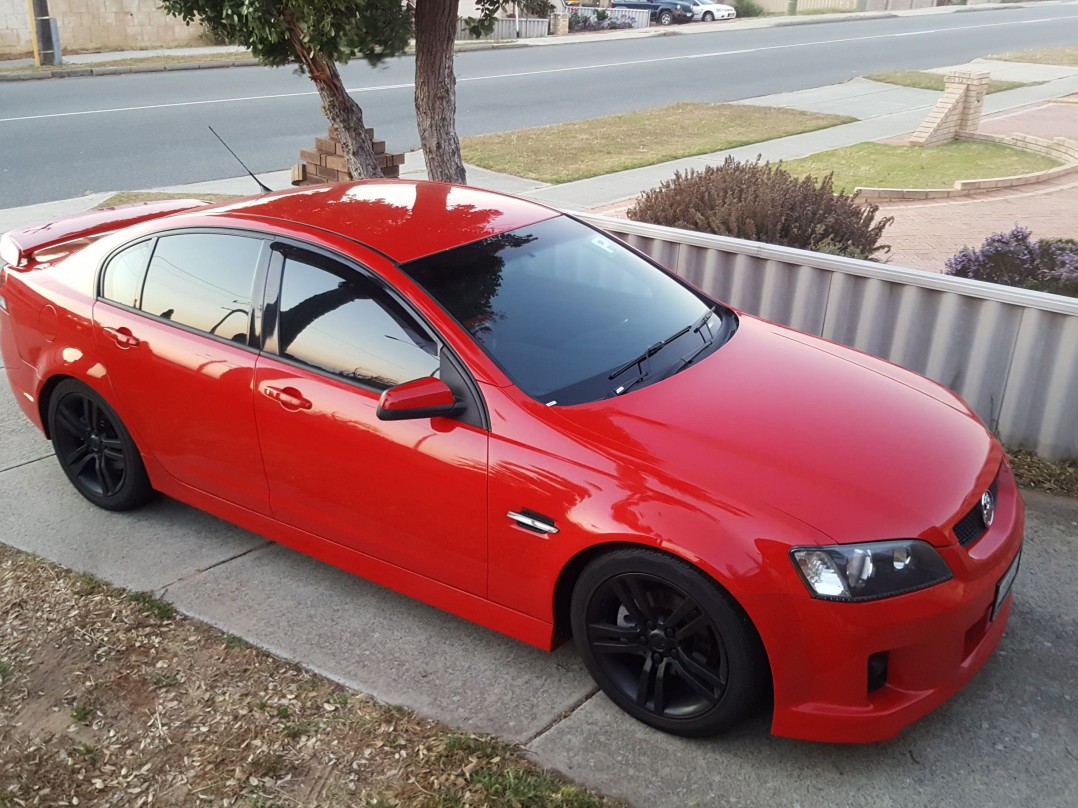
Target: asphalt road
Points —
{"points": [[1009, 739], [63, 138]]}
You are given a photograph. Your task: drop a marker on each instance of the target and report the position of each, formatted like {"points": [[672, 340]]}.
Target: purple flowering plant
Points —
{"points": [[1015, 259]]}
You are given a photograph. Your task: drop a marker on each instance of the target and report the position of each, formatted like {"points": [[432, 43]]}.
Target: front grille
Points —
{"points": [[971, 526]]}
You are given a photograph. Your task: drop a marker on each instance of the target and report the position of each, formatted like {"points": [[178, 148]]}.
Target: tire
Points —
{"points": [[708, 16], [666, 17], [95, 450], [666, 644]]}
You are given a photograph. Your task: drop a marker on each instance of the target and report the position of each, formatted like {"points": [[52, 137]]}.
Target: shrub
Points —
{"points": [[761, 202], [747, 8], [1014, 259]]}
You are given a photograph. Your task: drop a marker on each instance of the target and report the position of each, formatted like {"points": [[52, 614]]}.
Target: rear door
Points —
{"points": [[174, 325]]}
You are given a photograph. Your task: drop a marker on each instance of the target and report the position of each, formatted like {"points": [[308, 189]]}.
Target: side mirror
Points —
{"points": [[420, 398]]}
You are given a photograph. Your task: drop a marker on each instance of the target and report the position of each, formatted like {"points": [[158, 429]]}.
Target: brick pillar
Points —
{"points": [[957, 112], [976, 86], [326, 162], [559, 24]]}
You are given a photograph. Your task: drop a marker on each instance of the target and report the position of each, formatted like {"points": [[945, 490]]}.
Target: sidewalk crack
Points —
{"points": [[25, 463], [568, 711], [164, 590]]}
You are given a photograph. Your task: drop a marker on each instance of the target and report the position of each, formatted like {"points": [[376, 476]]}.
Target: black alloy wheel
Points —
{"points": [[666, 644], [95, 451]]}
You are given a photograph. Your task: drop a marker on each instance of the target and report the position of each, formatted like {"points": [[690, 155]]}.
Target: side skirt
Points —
{"points": [[455, 601]]}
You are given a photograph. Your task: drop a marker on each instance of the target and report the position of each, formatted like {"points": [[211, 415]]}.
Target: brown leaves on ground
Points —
{"points": [[110, 698]]}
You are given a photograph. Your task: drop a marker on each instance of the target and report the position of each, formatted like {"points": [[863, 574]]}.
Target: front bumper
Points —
{"points": [[933, 641]]}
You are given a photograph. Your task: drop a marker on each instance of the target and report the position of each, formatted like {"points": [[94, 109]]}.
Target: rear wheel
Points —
{"points": [[666, 17], [95, 451], [666, 644]]}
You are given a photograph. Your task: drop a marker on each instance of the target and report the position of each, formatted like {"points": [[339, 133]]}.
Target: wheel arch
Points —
{"points": [[570, 573], [44, 396]]}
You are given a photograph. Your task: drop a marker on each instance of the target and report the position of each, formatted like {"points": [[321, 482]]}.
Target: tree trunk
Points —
{"points": [[339, 107], [436, 89]]}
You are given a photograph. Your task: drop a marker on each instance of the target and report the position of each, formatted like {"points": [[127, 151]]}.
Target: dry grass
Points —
{"points": [[935, 81], [131, 197], [1032, 471], [1066, 55], [135, 61], [110, 698], [590, 148]]}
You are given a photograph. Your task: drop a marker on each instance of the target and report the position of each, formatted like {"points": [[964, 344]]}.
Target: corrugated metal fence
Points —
{"points": [[1012, 354], [507, 29]]}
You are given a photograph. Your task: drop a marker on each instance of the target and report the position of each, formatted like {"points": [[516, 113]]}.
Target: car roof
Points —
{"points": [[403, 219]]}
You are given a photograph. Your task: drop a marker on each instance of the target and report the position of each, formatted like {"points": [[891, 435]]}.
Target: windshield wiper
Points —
{"points": [[689, 358], [694, 327]]}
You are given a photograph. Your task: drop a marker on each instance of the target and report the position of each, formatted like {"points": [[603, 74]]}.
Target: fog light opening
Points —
{"points": [[877, 671]]}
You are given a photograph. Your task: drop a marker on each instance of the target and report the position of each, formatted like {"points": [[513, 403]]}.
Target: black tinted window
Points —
{"points": [[337, 320], [562, 307], [203, 280], [124, 274]]}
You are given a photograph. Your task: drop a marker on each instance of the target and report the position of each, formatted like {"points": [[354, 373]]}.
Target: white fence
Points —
{"points": [[1012, 354], [639, 17], [529, 28]]}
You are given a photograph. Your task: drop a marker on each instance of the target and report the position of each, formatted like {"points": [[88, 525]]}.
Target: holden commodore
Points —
{"points": [[495, 408]]}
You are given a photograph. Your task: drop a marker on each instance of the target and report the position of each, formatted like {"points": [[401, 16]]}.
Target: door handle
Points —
{"points": [[288, 397], [122, 337]]}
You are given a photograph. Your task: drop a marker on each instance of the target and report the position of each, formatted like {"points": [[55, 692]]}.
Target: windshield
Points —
{"points": [[569, 314]]}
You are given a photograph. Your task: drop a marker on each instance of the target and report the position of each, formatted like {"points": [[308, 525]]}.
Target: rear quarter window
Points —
{"points": [[124, 274]]}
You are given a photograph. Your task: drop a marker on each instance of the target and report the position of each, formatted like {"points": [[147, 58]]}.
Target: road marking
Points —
{"points": [[547, 72]]}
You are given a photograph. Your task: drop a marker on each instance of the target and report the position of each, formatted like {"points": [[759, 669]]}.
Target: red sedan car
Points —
{"points": [[495, 408]]}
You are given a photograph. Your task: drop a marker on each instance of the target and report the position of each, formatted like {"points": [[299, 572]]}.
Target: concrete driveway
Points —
{"points": [[1009, 739]]}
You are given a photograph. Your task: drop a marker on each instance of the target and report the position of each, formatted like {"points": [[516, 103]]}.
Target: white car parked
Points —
{"points": [[707, 11]]}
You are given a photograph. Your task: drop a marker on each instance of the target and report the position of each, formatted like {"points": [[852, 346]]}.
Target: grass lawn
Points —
{"points": [[934, 81], [875, 165], [590, 148], [1066, 55]]}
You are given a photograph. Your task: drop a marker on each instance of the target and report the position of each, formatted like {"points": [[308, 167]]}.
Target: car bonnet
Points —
{"points": [[854, 446]]}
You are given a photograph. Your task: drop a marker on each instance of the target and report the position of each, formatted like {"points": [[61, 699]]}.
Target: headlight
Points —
{"points": [[853, 572]]}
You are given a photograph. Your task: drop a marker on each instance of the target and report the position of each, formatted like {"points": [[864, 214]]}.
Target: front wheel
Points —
{"points": [[666, 17], [666, 644], [95, 451], [708, 16]]}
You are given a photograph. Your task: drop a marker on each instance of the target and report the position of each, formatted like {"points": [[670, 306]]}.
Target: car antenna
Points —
{"points": [[265, 188]]}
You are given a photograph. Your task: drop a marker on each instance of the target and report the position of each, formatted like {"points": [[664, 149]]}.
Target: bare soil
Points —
{"points": [[110, 698]]}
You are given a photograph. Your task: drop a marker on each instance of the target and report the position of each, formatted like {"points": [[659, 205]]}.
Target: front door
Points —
{"points": [[412, 493]]}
